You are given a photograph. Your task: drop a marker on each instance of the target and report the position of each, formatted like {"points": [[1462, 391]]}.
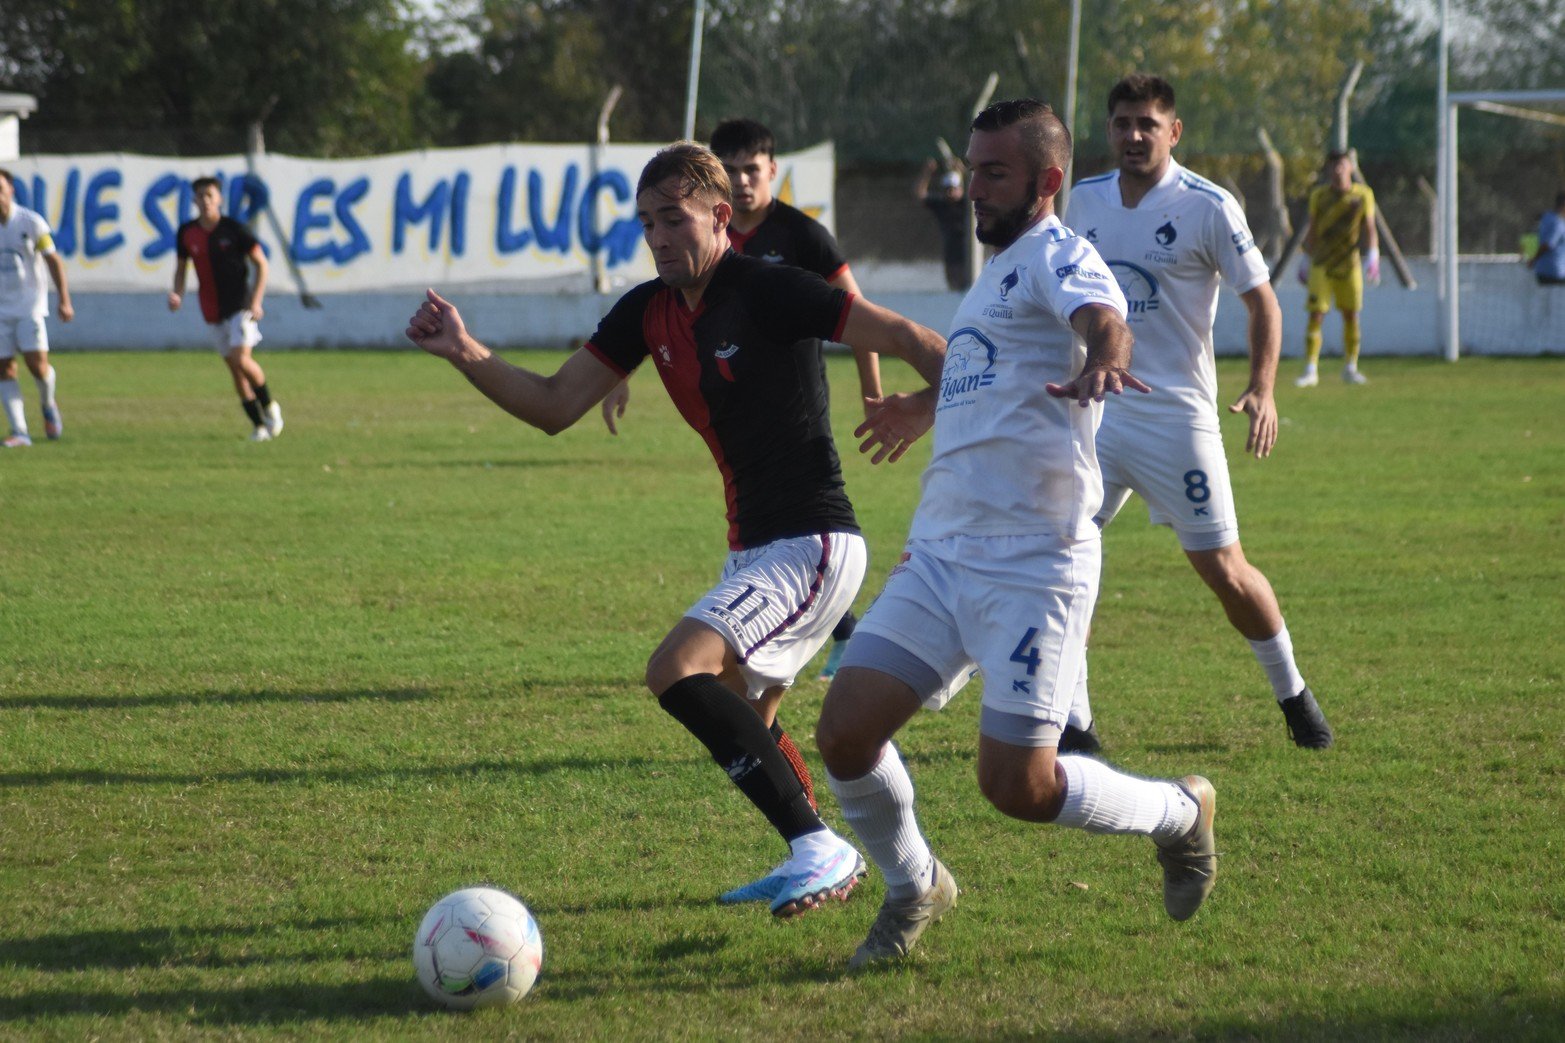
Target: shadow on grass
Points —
{"points": [[251, 1006], [181, 947], [120, 702], [271, 776]]}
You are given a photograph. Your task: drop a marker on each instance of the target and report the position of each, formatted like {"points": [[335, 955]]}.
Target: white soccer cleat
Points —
{"points": [[260, 434], [274, 419], [1309, 380], [1353, 376], [17, 442]]}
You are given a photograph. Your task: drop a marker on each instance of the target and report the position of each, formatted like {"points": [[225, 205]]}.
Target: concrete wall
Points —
{"points": [[1516, 317]]}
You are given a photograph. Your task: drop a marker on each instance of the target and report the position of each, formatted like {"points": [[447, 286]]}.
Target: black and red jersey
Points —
{"points": [[746, 371], [221, 258], [790, 236]]}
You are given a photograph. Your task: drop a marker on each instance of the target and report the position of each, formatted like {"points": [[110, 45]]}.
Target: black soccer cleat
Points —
{"points": [[1307, 726], [1080, 740]]}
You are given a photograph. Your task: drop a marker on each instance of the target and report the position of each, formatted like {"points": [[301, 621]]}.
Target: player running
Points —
{"points": [[764, 226], [1001, 564], [1169, 236], [736, 342], [222, 249]]}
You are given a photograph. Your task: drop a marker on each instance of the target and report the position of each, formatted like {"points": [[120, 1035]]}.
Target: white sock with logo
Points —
{"points": [[11, 397], [879, 807], [1099, 799], [1275, 655]]}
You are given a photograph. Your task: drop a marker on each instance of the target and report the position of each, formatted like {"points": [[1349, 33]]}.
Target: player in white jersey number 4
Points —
{"points": [[1001, 565], [1169, 236]]}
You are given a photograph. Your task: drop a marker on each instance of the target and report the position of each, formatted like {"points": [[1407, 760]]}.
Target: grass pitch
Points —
{"points": [[261, 704]]}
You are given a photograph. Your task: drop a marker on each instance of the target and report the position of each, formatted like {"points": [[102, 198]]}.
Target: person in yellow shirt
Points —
{"points": [[1341, 211]]}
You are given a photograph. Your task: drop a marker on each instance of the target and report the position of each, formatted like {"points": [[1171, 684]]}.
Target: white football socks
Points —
{"points": [[879, 807], [1099, 799], [46, 389], [1275, 655], [11, 397]]}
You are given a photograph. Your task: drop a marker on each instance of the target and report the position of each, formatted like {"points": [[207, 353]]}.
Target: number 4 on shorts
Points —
{"points": [[1027, 652]]}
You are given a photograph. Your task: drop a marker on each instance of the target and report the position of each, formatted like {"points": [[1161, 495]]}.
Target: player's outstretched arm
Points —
{"points": [[1107, 369], [882, 331], [1265, 331], [551, 404], [894, 423]]}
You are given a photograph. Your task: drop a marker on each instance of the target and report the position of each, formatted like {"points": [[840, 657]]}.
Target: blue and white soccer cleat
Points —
{"points": [[51, 423], [762, 890], [808, 887]]}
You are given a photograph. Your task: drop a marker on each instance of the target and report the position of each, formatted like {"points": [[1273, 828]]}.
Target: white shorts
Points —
{"points": [[1179, 468], [778, 603], [22, 335], [1016, 608], [239, 330]]}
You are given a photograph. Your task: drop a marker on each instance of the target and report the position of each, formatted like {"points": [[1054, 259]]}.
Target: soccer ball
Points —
{"points": [[477, 947]]}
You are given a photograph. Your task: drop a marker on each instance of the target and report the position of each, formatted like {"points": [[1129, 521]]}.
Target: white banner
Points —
{"points": [[495, 217]]}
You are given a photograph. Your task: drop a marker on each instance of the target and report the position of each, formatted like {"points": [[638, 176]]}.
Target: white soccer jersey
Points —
{"points": [[1167, 254], [24, 288], [1008, 459]]}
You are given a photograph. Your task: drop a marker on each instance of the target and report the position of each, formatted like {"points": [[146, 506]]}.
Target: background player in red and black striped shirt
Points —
{"points": [[736, 343], [222, 251]]}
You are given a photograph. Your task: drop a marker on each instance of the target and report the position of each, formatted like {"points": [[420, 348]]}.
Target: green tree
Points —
{"points": [[332, 77]]}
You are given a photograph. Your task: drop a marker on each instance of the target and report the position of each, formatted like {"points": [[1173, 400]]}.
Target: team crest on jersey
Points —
{"points": [[969, 367], [723, 354], [665, 357], [1139, 287], [1166, 235], [1002, 310], [1091, 235]]}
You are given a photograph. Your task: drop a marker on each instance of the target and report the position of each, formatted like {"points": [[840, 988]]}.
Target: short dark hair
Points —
{"points": [[1142, 86], [201, 183], [1336, 154], [1046, 140], [696, 167], [743, 135], [8, 178]]}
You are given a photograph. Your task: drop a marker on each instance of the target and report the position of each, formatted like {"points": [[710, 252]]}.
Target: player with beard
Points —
{"points": [[1000, 570]]}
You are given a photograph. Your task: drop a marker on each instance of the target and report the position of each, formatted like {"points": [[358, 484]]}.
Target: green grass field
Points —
{"points": [[261, 704]]}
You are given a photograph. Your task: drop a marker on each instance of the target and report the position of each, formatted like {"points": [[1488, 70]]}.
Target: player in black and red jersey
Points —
{"points": [[764, 226], [736, 342], [222, 250]]}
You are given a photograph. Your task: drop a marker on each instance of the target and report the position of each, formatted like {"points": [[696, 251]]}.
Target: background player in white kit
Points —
{"points": [[1168, 235], [26, 250], [1001, 565]]}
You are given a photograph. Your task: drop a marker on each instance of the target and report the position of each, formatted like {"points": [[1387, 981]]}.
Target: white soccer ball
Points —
{"points": [[477, 947]]}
